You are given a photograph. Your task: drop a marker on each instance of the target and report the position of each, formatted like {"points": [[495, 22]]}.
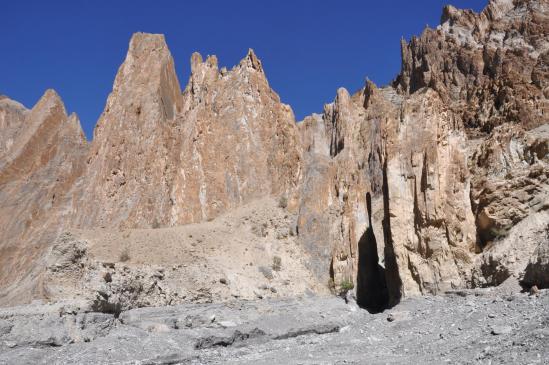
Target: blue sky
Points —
{"points": [[308, 48]]}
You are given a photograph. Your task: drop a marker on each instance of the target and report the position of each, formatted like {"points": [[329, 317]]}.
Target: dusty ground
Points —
{"points": [[249, 253], [483, 326]]}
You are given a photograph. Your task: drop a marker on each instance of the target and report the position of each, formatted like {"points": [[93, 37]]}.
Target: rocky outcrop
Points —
{"points": [[12, 115], [343, 164], [431, 223], [511, 179], [491, 67], [509, 195], [419, 226], [239, 141], [44, 160], [162, 157], [452, 156], [126, 178], [514, 255]]}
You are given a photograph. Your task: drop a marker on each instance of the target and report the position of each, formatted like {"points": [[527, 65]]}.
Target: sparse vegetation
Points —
{"points": [[283, 202], [124, 255], [346, 285], [277, 263]]}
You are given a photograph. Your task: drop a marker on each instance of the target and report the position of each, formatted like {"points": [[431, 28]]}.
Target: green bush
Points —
{"points": [[346, 285]]}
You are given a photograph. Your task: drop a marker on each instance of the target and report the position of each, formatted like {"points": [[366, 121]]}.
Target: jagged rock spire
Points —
{"points": [[252, 61], [146, 79]]}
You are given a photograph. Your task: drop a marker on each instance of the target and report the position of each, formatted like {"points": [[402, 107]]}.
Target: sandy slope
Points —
{"points": [[248, 253]]}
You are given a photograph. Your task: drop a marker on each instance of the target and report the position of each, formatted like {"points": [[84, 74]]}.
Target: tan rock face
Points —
{"points": [[415, 188], [509, 195], [431, 222], [511, 179], [408, 156], [516, 256], [127, 179], [536, 272], [438, 193], [239, 142], [161, 157], [35, 175], [12, 115]]}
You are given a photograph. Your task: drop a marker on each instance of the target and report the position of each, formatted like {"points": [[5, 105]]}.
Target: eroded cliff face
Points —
{"points": [[42, 159], [342, 163], [431, 222], [407, 157], [425, 185], [490, 68], [239, 141], [160, 156], [126, 181], [452, 156], [163, 157], [12, 115]]}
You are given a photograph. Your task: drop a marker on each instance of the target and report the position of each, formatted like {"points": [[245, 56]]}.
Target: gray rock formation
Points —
{"points": [[460, 327]]}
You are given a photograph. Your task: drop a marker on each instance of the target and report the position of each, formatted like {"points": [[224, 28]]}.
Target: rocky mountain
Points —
{"points": [[436, 182], [43, 153], [453, 156], [163, 157], [490, 68]]}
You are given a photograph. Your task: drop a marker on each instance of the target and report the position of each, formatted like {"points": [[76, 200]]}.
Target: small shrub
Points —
{"points": [[346, 285], [124, 255], [277, 263], [283, 202]]}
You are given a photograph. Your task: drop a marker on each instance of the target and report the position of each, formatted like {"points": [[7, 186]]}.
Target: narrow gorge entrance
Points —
{"points": [[371, 290]]}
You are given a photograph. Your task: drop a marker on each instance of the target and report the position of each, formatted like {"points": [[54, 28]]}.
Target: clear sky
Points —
{"points": [[308, 48]]}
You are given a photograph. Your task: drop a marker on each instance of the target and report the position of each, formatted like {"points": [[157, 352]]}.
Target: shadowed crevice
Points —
{"points": [[371, 289]]}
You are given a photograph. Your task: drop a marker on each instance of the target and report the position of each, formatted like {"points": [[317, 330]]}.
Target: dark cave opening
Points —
{"points": [[371, 290]]}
